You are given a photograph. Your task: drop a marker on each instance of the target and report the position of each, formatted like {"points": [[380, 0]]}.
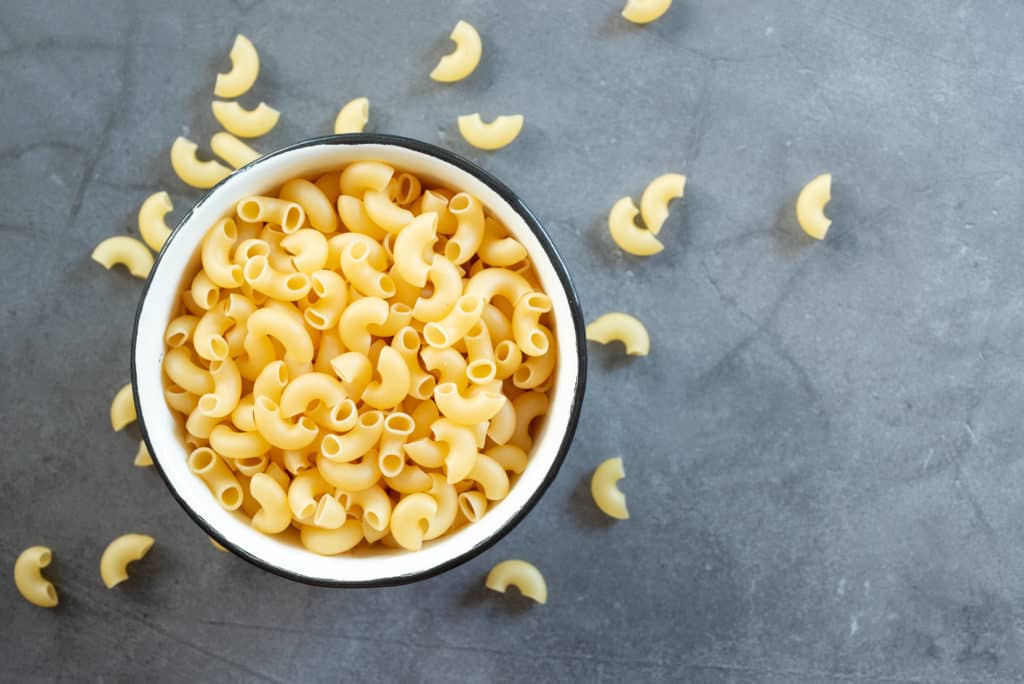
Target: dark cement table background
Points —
{"points": [[823, 449]]}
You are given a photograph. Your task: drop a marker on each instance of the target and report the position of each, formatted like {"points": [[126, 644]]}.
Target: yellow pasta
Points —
{"points": [[453, 327], [623, 328], [353, 116], [604, 490], [490, 136], [122, 408], [274, 515], [627, 235], [317, 206], [657, 195], [360, 177], [119, 553], [227, 389], [521, 575], [28, 577], [232, 150], [411, 519], [464, 59], [245, 67], [645, 11], [198, 174], [142, 457], [152, 226], [355, 443], [462, 449], [526, 329], [205, 463], [125, 251], [412, 246], [309, 250], [810, 206], [245, 123]]}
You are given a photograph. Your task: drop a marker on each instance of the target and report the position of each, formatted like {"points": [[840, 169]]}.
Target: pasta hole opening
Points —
{"points": [[210, 298], [230, 230], [317, 284], [44, 559], [408, 339], [315, 319], [435, 335], [446, 389], [208, 404], [481, 371], [177, 338], [344, 411], [453, 251], [386, 284], [330, 446], [476, 332], [51, 593], [423, 525], [424, 387], [297, 282], [539, 343], [503, 352], [255, 267], [307, 424], [400, 423], [522, 376], [371, 419], [470, 304], [374, 520], [467, 509], [219, 350], [249, 210], [231, 497], [391, 464], [460, 203], [358, 251], [307, 510], [201, 460], [292, 219]]}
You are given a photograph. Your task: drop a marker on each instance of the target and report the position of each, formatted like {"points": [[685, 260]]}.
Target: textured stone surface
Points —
{"points": [[822, 449]]}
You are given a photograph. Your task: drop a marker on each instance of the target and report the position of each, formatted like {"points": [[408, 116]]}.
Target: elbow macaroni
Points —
{"points": [[658, 193], [245, 67], [604, 490], [490, 136], [245, 123], [198, 174], [645, 11], [623, 328], [810, 206], [359, 359], [353, 116], [119, 553], [627, 235], [122, 408], [152, 226], [522, 575], [28, 577], [126, 251], [464, 59]]}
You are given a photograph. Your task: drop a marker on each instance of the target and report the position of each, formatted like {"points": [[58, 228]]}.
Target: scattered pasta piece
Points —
{"points": [[232, 150], [464, 59], [119, 553], [353, 116], [810, 206], [645, 11], [522, 575], [198, 174], [28, 577], [623, 328], [245, 123], [245, 67], [142, 457], [122, 409], [217, 545], [627, 234], [126, 251], [606, 494], [493, 135], [658, 193], [152, 226]]}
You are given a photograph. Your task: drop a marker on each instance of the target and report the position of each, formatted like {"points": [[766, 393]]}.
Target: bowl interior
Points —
{"points": [[164, 433]]}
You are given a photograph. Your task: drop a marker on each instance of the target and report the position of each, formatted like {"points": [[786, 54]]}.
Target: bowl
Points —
{"points": [[163, 433]]}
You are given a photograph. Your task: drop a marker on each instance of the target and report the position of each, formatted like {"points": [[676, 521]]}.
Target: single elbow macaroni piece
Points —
{"points": [[184, 372], [481, 368], [180, 330], [353, 214], [627, 235], [503, 425], [274, 515], [490, 136], [353, 116], [363, 176], [645, 11], [623, 328], [152, 226], [810, 206], [290, 332], [351, 477], [357, 268], [446, 282], [216, 255], [508, 357], [448, 363], [245, 67], [521, 575], [232, 150], [526, 328], [305, 489], [264, 278], [329, 513], [357, 317], [355, 371], [245, 123], [509, 456], [126, 251], [331, 542], [305, 389], [658, 193], [309, 250], [535, 371], [119, 553], [491, 477], [280, 432], [472, 504], [317, 206], [528, 406], [394, 382], [462, 449], [499, 282], [28, 577], [464, 59], [355, 443], [198, 174], [384, 212], [412, 247], [497, 248], [259, 209], [467, 410], [606, 494], [205, 293], [209, 466], [411, 518], [237, 445], [122, 409], [329, 296], [453, 327], [469, 216], [142, 457]]}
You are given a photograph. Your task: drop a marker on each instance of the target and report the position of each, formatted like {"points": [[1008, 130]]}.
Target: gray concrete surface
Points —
{"points": [[823, 449]]}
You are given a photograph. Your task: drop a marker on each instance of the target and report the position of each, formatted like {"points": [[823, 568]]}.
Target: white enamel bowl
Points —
{"points": [[283, 555]]}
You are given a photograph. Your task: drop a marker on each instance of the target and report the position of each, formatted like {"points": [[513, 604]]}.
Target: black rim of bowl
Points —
{"points": [[578, 391]]}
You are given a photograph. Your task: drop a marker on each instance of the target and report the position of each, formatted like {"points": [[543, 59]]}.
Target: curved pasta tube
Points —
{"points": [[467, 410], [355, 371], [296, 461], [290, 332], [490, 136], [265, 278], [350, 477], [245, 123], [259, 209], [528, 406], [353, 214], [623, 328], [305, 389], [280, 432], [274, 515], [232, 150], [410, 480], [424, 416], [318, 207], [304, 491], [397, 428], [179, 330], [407, 343], [237, 445], [509, 456], [481, 368], [399, 316], [205, 294], [525, 326], [448, 363], [406, 189], [444, 276], [497, 248], [185, 373], [331, 542], [412, 246], [461, 443], [212, 469], [453, 327], [245, 67], [473, 504], [491, 477], [385, 213], [340, 418], [122, 408], [227, 390], [142, 457], [179, 399], [411, 518], [271, 381], [810, 206], [216, 254], [119, 553], [356, 318], [426, 452], [461, 62], [28, 577], [358, 270], [498, 282], [658, 193], [329, 514], [535, 371], [507, 359], [469, 216], [360, 177], [394, 384], [377, 256], [152, 226], [353, 116], [126, 251], [521, 575], [497, 323], [645, 11], [198, 424], [198, 174], [374, 504], [626, 234], [503, 425], [308, 248], [242, 417], [604, 490], [355, 443], [447, 506]]}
